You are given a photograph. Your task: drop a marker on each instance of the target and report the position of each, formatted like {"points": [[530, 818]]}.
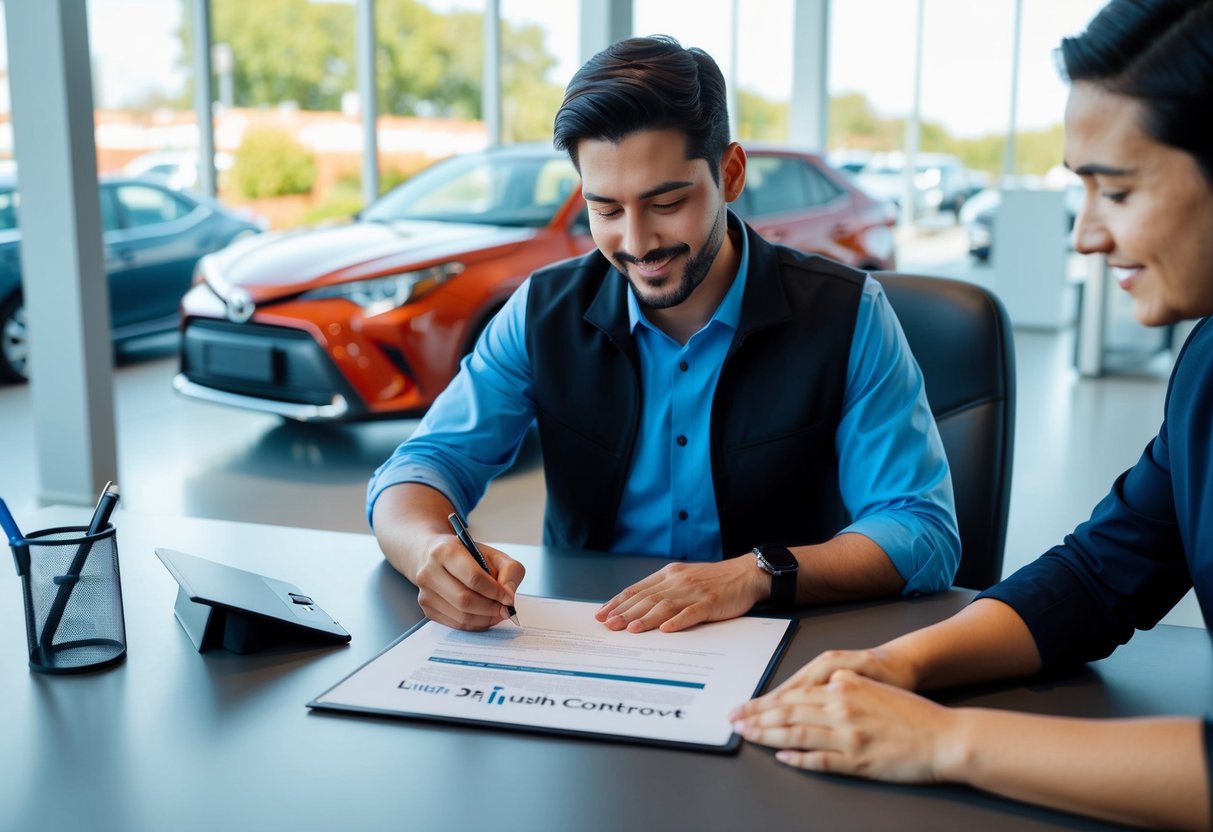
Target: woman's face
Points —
{"points": [[1147, 207]]}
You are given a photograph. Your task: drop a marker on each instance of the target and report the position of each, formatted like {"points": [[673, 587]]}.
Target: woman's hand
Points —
{"points": [[853, 725], [879, 663]]}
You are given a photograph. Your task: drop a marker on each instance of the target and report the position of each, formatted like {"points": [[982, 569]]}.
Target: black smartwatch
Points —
{"points": [[782, 566]]}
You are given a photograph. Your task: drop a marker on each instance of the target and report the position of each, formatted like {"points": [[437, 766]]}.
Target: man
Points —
{"points": [[698, 391]]}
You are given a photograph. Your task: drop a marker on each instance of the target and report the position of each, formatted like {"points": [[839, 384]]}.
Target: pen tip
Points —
{"points": [[514, 618]]}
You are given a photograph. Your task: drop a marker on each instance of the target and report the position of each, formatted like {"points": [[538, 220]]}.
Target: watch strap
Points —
{"points": [[781, 565]]}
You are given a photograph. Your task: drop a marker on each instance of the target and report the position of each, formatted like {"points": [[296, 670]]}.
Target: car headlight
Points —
{"points": [[382, 294]]}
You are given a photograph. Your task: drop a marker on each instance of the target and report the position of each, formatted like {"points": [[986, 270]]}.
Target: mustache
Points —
{"points": [[655, 256]]}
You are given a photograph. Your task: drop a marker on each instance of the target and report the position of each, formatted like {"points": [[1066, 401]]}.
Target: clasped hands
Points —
{"points": [[853, 712]]}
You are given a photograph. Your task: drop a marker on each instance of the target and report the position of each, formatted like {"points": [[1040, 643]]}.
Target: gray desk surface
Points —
{"points": [[172, 739]]}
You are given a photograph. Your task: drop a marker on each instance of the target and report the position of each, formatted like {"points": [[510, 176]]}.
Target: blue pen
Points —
{"points": [[10, 525]]}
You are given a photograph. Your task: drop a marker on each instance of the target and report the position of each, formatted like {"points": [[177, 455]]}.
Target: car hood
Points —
{"points": [[281, 262]]}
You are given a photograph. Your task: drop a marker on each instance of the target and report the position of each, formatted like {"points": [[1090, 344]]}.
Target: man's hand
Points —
{"points": [[685, 594], [455, 591]]}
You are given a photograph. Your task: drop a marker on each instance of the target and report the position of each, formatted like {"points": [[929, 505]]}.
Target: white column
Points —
{"points": [[809, 117], [203, 96], [731, 86], [368, 99], [66, 295], [1092, 322], [909, 199], [1008, 158], [490, 92], [603, 22]]}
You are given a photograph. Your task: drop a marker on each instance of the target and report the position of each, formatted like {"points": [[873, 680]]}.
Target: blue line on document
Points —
{"points": [[555, 671]]}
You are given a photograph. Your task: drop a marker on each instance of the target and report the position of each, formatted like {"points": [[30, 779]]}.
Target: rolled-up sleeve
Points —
{"points": [[893, 472], [1118, 572], [475, 427]]}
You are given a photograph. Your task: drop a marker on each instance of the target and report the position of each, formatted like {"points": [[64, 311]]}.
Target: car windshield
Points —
{"points": [[521, 191]]}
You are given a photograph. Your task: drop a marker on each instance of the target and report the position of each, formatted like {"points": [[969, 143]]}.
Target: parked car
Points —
{"points": [[177, 168], [152, 237], [369, 318], [941, 182], [977, 216], [849, 161]]}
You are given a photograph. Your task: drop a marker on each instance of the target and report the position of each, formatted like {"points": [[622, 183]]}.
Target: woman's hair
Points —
{"points": [[649, 83], [1159, 52]]}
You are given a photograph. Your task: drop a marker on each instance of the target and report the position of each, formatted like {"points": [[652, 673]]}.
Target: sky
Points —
{"points": [[966, 81]]}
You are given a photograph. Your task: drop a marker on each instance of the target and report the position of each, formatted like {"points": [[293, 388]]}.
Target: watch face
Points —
{"points": [[776, 559]]}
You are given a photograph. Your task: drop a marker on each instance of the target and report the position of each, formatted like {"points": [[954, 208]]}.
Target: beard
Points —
{"points": [[693, 273]]}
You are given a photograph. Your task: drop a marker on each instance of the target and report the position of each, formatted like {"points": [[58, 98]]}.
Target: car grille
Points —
{"points": [[269, 362]]}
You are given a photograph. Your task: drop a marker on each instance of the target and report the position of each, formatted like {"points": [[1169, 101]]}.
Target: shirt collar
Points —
{"points": [[728, 312]]}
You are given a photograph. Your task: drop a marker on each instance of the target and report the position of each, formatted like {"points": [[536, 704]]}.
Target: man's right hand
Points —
{"points": [[455, 591], [413, 532]]}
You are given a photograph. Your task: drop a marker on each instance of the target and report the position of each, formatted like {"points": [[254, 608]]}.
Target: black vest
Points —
{"points": [[775, 410]]}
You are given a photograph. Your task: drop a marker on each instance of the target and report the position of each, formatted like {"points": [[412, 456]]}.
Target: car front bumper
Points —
{"points": [[264, 368]]}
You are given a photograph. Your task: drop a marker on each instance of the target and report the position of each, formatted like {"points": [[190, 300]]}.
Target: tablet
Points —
{"points": [[221, 606]]}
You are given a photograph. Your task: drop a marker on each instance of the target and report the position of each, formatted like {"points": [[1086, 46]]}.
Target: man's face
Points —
{"points": [[658, 216]]}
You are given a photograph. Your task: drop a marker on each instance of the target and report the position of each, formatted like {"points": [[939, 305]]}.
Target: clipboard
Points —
{"points": [[590, 683]]}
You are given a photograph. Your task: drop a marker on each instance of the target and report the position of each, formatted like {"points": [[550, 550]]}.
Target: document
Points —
{"points": [[564, 671]]}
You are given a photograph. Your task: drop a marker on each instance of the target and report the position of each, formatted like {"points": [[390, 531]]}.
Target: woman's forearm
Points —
{"points": [[1144, 772], [985, 641]]}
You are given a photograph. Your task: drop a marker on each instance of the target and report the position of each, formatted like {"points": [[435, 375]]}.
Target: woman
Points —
{"points": [[1139, 132]]}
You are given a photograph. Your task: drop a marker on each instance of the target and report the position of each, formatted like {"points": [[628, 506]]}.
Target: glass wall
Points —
{"points": [[540, 46], [966, 78], [757, 63]]}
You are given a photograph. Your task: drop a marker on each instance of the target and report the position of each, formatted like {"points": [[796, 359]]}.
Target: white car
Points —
{"points": [[176, 168]]}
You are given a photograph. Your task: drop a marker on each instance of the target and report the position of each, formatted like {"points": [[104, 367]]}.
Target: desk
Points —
{"points": [[172, 739]]}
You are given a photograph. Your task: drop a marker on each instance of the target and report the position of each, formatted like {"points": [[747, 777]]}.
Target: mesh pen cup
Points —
{"points": [[73, 599]]}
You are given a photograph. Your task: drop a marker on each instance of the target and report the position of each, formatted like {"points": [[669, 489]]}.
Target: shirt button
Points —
{"points": [[682, 365], [682, 440], [682, 515]]}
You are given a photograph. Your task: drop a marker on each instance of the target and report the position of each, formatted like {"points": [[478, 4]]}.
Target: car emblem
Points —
{"points": [[240, 306]]}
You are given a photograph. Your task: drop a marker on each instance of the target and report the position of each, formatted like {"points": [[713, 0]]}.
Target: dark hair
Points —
{"points": [[1159, 52], [649, 83]]}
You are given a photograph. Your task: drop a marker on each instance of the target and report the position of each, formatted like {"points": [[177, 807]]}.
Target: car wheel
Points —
{"points": [[14, 340]]}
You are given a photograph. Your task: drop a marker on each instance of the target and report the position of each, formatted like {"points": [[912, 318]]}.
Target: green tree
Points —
{"points": [[428, 63], [272, 163], [852, 121], [761, 118], [283, 50], [855, 124]]}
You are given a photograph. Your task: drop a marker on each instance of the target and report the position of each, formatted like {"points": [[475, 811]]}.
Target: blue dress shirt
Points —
{"points": [[893, 475]]}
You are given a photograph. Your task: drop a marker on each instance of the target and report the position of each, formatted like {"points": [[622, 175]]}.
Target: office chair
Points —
{"points": [[961, 336]]}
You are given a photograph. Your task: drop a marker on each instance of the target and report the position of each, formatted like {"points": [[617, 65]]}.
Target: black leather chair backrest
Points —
{"points": [[961, 336]]}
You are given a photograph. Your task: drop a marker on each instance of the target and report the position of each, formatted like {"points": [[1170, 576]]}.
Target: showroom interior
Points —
{"points": [[1090, 381]]}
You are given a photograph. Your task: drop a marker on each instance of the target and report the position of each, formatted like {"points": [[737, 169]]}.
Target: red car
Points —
{"points": [[370, 318]]}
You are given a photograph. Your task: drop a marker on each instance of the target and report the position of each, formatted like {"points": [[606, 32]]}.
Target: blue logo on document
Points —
{"points": [[500, 696]]}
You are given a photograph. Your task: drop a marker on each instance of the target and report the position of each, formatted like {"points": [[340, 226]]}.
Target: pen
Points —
{"points": [[10, 525], [105, 507], [465, 537]]}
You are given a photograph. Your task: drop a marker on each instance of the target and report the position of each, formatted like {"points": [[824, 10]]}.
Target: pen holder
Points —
{"points": [[73, 599]]}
